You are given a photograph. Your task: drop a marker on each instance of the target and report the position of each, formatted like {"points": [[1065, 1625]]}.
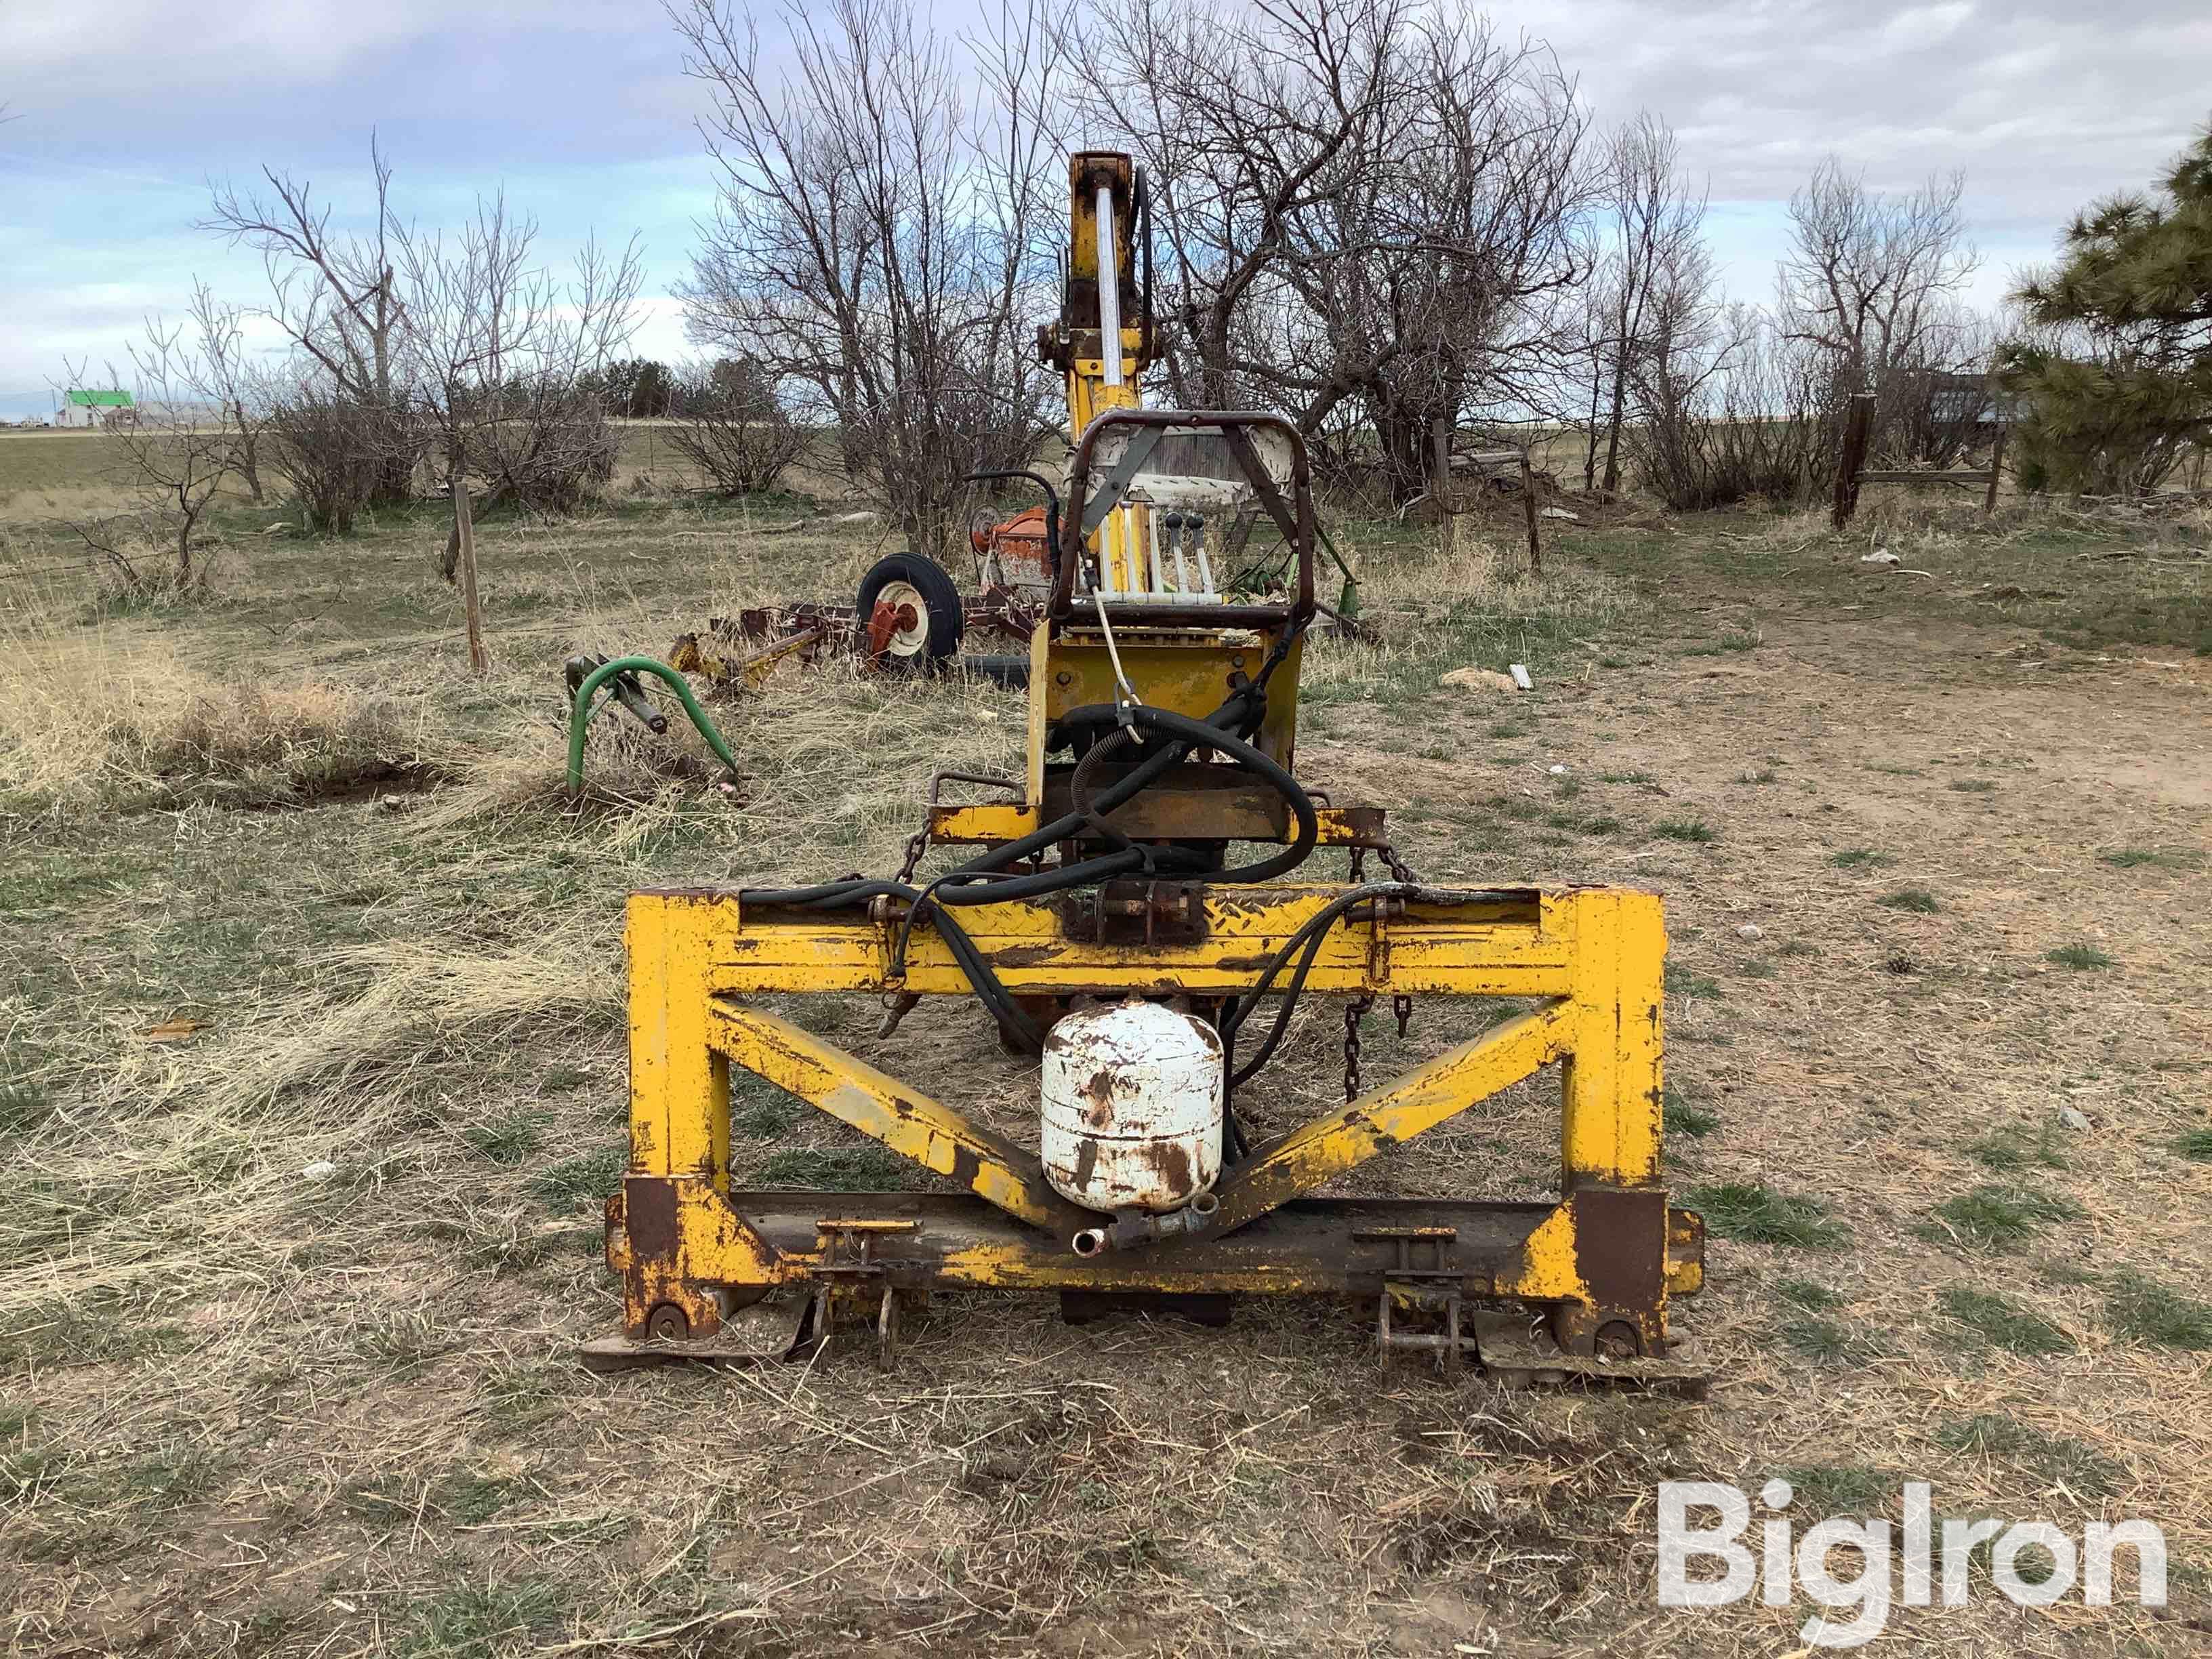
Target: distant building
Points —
{"points": [[84, 406]]}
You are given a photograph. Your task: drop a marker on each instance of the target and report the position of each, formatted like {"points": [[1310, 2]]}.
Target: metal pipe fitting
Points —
{"points": [[1132, 1228]]}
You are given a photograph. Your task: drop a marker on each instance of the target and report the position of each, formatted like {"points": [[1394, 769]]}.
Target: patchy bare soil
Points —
{"points": [[248, 1411]]}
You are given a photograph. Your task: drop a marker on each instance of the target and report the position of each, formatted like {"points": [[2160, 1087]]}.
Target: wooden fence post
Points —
{"points": [[1529, 509], [1996, 472], [1858, 427], [465, 531]]}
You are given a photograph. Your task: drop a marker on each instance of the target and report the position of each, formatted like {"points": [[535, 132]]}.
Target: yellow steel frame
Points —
{"points": [[1602, 1259]]}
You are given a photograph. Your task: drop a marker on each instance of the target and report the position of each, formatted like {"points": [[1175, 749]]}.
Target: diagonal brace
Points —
{"points": [[1405, 1106], [910, 1122]]}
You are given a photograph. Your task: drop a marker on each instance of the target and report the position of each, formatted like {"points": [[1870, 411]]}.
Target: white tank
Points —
{"points": [[1132, 1108]]}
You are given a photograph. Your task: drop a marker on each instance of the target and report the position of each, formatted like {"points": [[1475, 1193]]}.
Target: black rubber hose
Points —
{"points": [[1307, 939], [1023, 1031], [1201, 734]]}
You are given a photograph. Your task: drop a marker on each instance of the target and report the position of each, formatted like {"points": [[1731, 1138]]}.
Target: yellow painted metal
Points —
{"points": [[679, 1085], [1594, 957], [1002, 821], [1610, 1127], [900, 1116], [1320, 1150], [1517, 944]]}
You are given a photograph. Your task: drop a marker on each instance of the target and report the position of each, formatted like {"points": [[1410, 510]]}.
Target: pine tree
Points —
{"points": [[2114, 377]]}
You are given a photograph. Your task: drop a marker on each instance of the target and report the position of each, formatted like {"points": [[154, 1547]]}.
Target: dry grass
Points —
{"points": [[336, 1414]]}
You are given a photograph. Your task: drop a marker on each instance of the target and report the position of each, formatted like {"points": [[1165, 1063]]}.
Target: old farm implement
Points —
{"points": [[1129, 910]]}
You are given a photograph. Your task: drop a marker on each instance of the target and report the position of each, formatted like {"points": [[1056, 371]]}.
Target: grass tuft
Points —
{"points": [[2000, 1217], [2011, 1148], [1679, 1117], [507, 1141], [1684, 830], [2052, 1458], [2003, 1324], [1860, 858], [2155, 858], [2080, 957], [1917, 900], [839, 1169], [2196, 1143], [1758, 1215], [2149, 1312]]}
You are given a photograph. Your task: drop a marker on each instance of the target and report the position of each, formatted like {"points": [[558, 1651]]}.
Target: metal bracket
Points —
{"points": [[1147, 912]]}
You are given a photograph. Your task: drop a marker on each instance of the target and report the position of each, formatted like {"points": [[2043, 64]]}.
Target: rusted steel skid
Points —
{"points": [[1599, 1264]]}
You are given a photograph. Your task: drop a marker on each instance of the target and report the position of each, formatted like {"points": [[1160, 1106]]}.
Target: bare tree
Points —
{"points": [[504, 358], [240, 396], [173, 449], [1868, 276], [876, 241], [1362, 202], [732, 426], [1654, 225], [329, 445], [336, 299]]}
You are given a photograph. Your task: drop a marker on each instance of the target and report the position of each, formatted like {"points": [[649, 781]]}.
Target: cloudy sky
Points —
{"points": [[123, 109]]}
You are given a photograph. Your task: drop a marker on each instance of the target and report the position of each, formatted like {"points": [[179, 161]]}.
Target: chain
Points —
{"points": [[916, 845], [1354, 1011], [1400, 1005], [1400, 870], [1358, 864]]}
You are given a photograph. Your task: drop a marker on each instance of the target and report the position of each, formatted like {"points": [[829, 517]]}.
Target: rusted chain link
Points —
{"points": [[1354, 1011], [916, 845]]}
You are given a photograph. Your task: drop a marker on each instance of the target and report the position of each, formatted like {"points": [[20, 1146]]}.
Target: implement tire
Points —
{"points": [[911, 581]]}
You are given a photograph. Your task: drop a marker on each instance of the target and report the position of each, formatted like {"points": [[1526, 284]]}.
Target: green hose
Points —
{"points": [[580, 716]]}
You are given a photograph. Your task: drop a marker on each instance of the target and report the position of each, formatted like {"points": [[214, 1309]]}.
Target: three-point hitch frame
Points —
{"points": [[1592, 1268]]}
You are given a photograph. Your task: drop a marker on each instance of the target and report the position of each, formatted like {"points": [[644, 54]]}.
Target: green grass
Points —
{"points": [[1684, 830], [1726, 642], [1917, 900], [2011, 1148], [2004, 1324], [22, 1109], [1973, 787], [588, 1179], [2001, 1217], [1811, 1296], [1758, 1215], [2080, 957], [1689, 983], [2149, 1312], [1860, 858], [2156, 857], [1764, 774], [2196, 1143], [2054, 1459], [1825, 1489], [1623, 777], [1679, 1117], [1819, 1340], [839, 1169], [475, 1622], [508, 1141]]}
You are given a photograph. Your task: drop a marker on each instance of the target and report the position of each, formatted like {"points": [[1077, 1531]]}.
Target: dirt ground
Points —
{"points": [[291, 1295]]}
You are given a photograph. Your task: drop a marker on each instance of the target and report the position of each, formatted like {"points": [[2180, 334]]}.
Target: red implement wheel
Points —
{"points": [[910, 614]]}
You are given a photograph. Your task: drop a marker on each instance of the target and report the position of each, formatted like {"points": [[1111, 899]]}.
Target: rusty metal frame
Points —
{"points": [[1599, 1263]]}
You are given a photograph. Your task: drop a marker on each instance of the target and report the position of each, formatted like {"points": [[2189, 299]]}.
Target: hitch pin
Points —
{"points": [[1125, 695]]}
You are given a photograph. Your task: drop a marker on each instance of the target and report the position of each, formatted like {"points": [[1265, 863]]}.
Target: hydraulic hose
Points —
{"points": [[581, 712], [986, 879]]}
